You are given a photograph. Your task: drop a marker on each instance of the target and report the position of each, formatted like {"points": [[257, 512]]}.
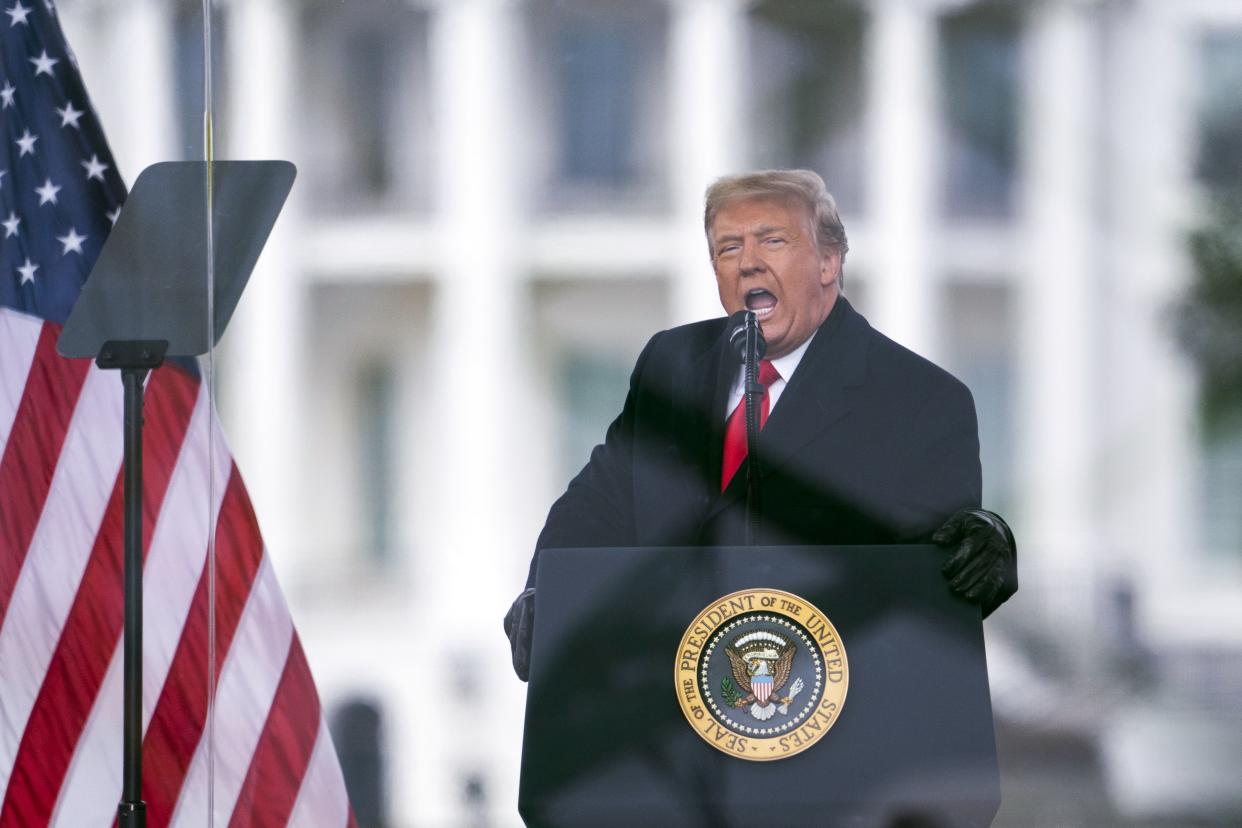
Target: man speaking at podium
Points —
{"points": [[862, 441]]}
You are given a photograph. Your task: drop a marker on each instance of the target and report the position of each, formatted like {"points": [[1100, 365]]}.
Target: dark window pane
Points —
{"points": [[1219, 164], [597, 91], [365, 106], [593, 387], [598, 77], [806, 91], [1221, 496], [357, 727], [979, 67], [978, 334], [377, 401]]}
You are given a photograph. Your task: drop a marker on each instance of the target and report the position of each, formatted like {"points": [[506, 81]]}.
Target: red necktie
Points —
{"points": [[735, 428]]}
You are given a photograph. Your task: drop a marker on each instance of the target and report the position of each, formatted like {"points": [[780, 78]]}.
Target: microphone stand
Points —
{"points": [[753, 394]]}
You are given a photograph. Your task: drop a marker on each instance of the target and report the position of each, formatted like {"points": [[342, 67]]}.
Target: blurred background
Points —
{"points": [[499, 201]]}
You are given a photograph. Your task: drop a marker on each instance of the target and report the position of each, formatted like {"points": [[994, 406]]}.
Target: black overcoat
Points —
{"points": [[869, 443]]}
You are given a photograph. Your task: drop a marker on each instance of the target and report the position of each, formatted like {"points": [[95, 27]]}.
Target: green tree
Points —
{"points": [[1209, 319]]}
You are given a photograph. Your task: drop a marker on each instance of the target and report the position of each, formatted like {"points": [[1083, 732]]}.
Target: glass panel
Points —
{"points": [[806, 92], [979, 66]]}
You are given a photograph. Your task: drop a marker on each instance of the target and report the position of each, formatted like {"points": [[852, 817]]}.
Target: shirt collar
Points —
{"points": [[787, 364]]}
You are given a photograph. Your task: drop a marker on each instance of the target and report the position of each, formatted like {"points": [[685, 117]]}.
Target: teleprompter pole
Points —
{"points": [[135, 359]]}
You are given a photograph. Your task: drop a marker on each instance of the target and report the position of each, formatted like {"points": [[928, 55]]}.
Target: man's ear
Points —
{"points": [[830, 268]]}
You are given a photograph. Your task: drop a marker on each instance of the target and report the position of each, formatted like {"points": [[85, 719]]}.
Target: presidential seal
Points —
{"points": [[761, 674]]}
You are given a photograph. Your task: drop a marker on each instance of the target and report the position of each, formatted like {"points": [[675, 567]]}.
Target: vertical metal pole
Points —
{"points": [[751, 394], [132, 810]]}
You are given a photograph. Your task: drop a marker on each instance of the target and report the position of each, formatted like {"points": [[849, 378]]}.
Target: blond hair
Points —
{"points": [[803, 187]]}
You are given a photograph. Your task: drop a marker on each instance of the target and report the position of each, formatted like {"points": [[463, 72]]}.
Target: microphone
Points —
{"points": [[738, 325]]}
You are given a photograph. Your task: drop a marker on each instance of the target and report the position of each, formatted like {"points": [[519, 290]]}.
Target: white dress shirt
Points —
{"points": [[785, 366]]}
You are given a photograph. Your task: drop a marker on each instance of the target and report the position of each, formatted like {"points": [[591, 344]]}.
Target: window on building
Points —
{"points": [[188, 77], [377, 408], [980, 351], [979, 67], [1219, 162], [1220, 498], [806, 91], [357, 727], [598, 75], [366, 346], [590, 331], [593, 387], [364, 99]]}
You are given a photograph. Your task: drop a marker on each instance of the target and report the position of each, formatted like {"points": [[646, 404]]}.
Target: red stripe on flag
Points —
{"points": [[353, 821], [177, 723], [93, 626], [280, 758], [29, 462]]}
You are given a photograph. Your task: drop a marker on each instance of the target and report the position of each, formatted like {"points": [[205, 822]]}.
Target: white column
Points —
{"points": [[1057, 313], [1151, 443], [707, 80], [261, 361], [903, 145], [468, 570]]}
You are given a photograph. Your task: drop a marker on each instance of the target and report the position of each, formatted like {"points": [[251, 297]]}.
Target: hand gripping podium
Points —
{"points": [[756, 686]]}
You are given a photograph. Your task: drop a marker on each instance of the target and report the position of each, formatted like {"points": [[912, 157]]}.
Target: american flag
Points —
{"points": [[60, 525]]}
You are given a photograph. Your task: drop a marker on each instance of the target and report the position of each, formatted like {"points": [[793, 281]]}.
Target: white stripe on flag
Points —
{"points": [[179, 549], [321, 799], [248, 682], [62, 542], [174, 564], [93, 782], [19, 334]]}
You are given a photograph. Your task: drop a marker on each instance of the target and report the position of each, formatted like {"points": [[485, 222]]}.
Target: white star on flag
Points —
{"points": [[72, 241], [3, 173], [43, 64], [26, 143], [94, 168], [18, 14], [47, 193], [69, 116], [113, 215], [6, 94], [10, 224], [27, 271]]}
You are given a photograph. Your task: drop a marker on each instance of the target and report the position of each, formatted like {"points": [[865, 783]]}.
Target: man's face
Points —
{"points": [[766, 260]]}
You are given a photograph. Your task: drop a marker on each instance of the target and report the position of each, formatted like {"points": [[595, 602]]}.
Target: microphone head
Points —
{"points": [[738, 324]]}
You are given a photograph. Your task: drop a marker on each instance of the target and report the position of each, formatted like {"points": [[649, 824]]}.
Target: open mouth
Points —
{"points": [[761, 302]]}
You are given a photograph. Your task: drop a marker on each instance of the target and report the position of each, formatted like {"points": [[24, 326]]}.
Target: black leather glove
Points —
{"points": [[520, 627], [983, 566]]}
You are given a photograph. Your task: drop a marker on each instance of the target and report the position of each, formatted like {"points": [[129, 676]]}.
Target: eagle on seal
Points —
{"points": [[761, 663]]}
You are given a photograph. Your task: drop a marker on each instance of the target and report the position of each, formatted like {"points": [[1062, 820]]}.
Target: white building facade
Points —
{"points": [[499, 201]]}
